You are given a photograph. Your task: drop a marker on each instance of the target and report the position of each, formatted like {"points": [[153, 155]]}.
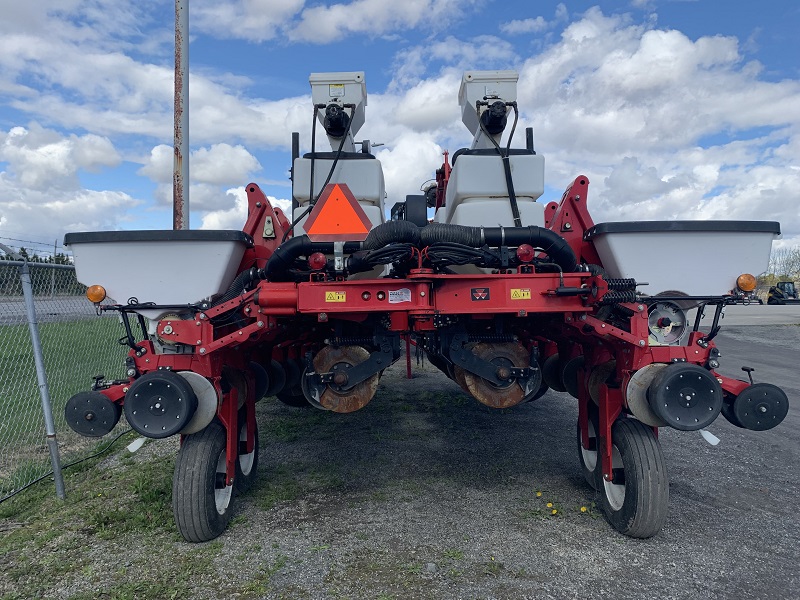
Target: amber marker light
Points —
{"points": [[746, 282], [96, 293]]}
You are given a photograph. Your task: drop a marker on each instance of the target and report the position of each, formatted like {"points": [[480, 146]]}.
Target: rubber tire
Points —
{"points": [[594, 475], [644, 507], [193, 485], [246, 465]]}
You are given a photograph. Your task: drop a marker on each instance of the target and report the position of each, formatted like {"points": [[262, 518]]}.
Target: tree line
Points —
{"points": [[45, 282]]}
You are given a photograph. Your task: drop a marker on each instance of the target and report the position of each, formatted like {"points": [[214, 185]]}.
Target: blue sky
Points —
{"points": [[674, 109]]}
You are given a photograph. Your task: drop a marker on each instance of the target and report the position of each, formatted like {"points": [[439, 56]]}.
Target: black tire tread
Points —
{"points": [[193, 507], [645, 515], [593, 478], [243, 483]]}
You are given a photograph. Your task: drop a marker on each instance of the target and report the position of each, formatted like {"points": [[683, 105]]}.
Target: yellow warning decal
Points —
{"points": [[335, 296], [520, 294]]}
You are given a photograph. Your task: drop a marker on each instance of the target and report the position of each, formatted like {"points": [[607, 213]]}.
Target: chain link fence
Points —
{"points": [[76, 344]]}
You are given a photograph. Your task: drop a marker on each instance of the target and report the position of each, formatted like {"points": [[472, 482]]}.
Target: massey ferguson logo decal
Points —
{"points": [[479, 294]]}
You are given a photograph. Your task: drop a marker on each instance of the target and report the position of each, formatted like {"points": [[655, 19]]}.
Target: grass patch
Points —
{"points": [[73, 351], [259, 583], [48, 542]]}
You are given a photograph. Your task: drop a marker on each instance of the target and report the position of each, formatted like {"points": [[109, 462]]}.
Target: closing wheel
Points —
{"points": [[569, 375], [261, 378], [292, 392], [277, 378], [541, 391], [92, 414], [590, 463], [247, 462], [761, 406], [508, 393], [201, 502], [551, 373], [293, 373], [636, 500]]}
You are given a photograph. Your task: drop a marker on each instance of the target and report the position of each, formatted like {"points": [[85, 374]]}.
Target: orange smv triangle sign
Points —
{"points": [[337, 216]]}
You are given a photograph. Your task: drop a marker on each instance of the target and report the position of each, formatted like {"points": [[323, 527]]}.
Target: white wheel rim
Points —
{"points": [[222, 496], [590, 456], [615, 493], [245, 460]]}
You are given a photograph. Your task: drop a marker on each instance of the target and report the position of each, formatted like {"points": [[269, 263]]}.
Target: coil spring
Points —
{"points": [[618, 297], [621, 285], [350, 341], [623, 311], [492, 339]]}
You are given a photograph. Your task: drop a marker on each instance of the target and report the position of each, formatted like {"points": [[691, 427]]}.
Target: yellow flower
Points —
{"points": [[583, 509], [538, 494], [554, 511], [549, 505]]}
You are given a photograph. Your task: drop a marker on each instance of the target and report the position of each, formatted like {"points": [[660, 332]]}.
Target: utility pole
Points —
{"points": [[180, 174]]}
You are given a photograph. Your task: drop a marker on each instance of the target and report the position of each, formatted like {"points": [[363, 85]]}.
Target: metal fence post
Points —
{"points": [[41, 376]]}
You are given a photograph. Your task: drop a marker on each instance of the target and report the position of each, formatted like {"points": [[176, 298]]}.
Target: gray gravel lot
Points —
{"points": [[427, 494]]}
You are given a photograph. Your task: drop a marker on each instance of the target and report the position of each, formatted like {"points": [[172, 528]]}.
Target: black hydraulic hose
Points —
{"points": [[284, 255], [549, 241], [238, 286], [404, 232]]}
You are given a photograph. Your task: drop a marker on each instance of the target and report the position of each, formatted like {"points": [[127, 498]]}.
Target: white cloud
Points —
{"points": [[300, 21], [519, 26], [325, 24], [219, 164], [211, 171], [42, 159], [258, 20]]}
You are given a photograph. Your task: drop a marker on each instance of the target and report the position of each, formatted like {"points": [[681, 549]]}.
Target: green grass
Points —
{"points": [[46, 540], [73, 352]]}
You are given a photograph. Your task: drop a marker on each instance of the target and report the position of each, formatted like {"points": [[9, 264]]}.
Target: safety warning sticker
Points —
{"points": [[520, 294], [335, 296]]}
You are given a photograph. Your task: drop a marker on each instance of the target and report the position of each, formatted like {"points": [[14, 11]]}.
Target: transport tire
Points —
{"points": [[636, 501], [201, 502], [588, 457], [246, 463]]}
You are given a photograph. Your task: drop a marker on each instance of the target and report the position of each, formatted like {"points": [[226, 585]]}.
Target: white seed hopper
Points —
{"points": [[696, 258], [162, 267]]}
